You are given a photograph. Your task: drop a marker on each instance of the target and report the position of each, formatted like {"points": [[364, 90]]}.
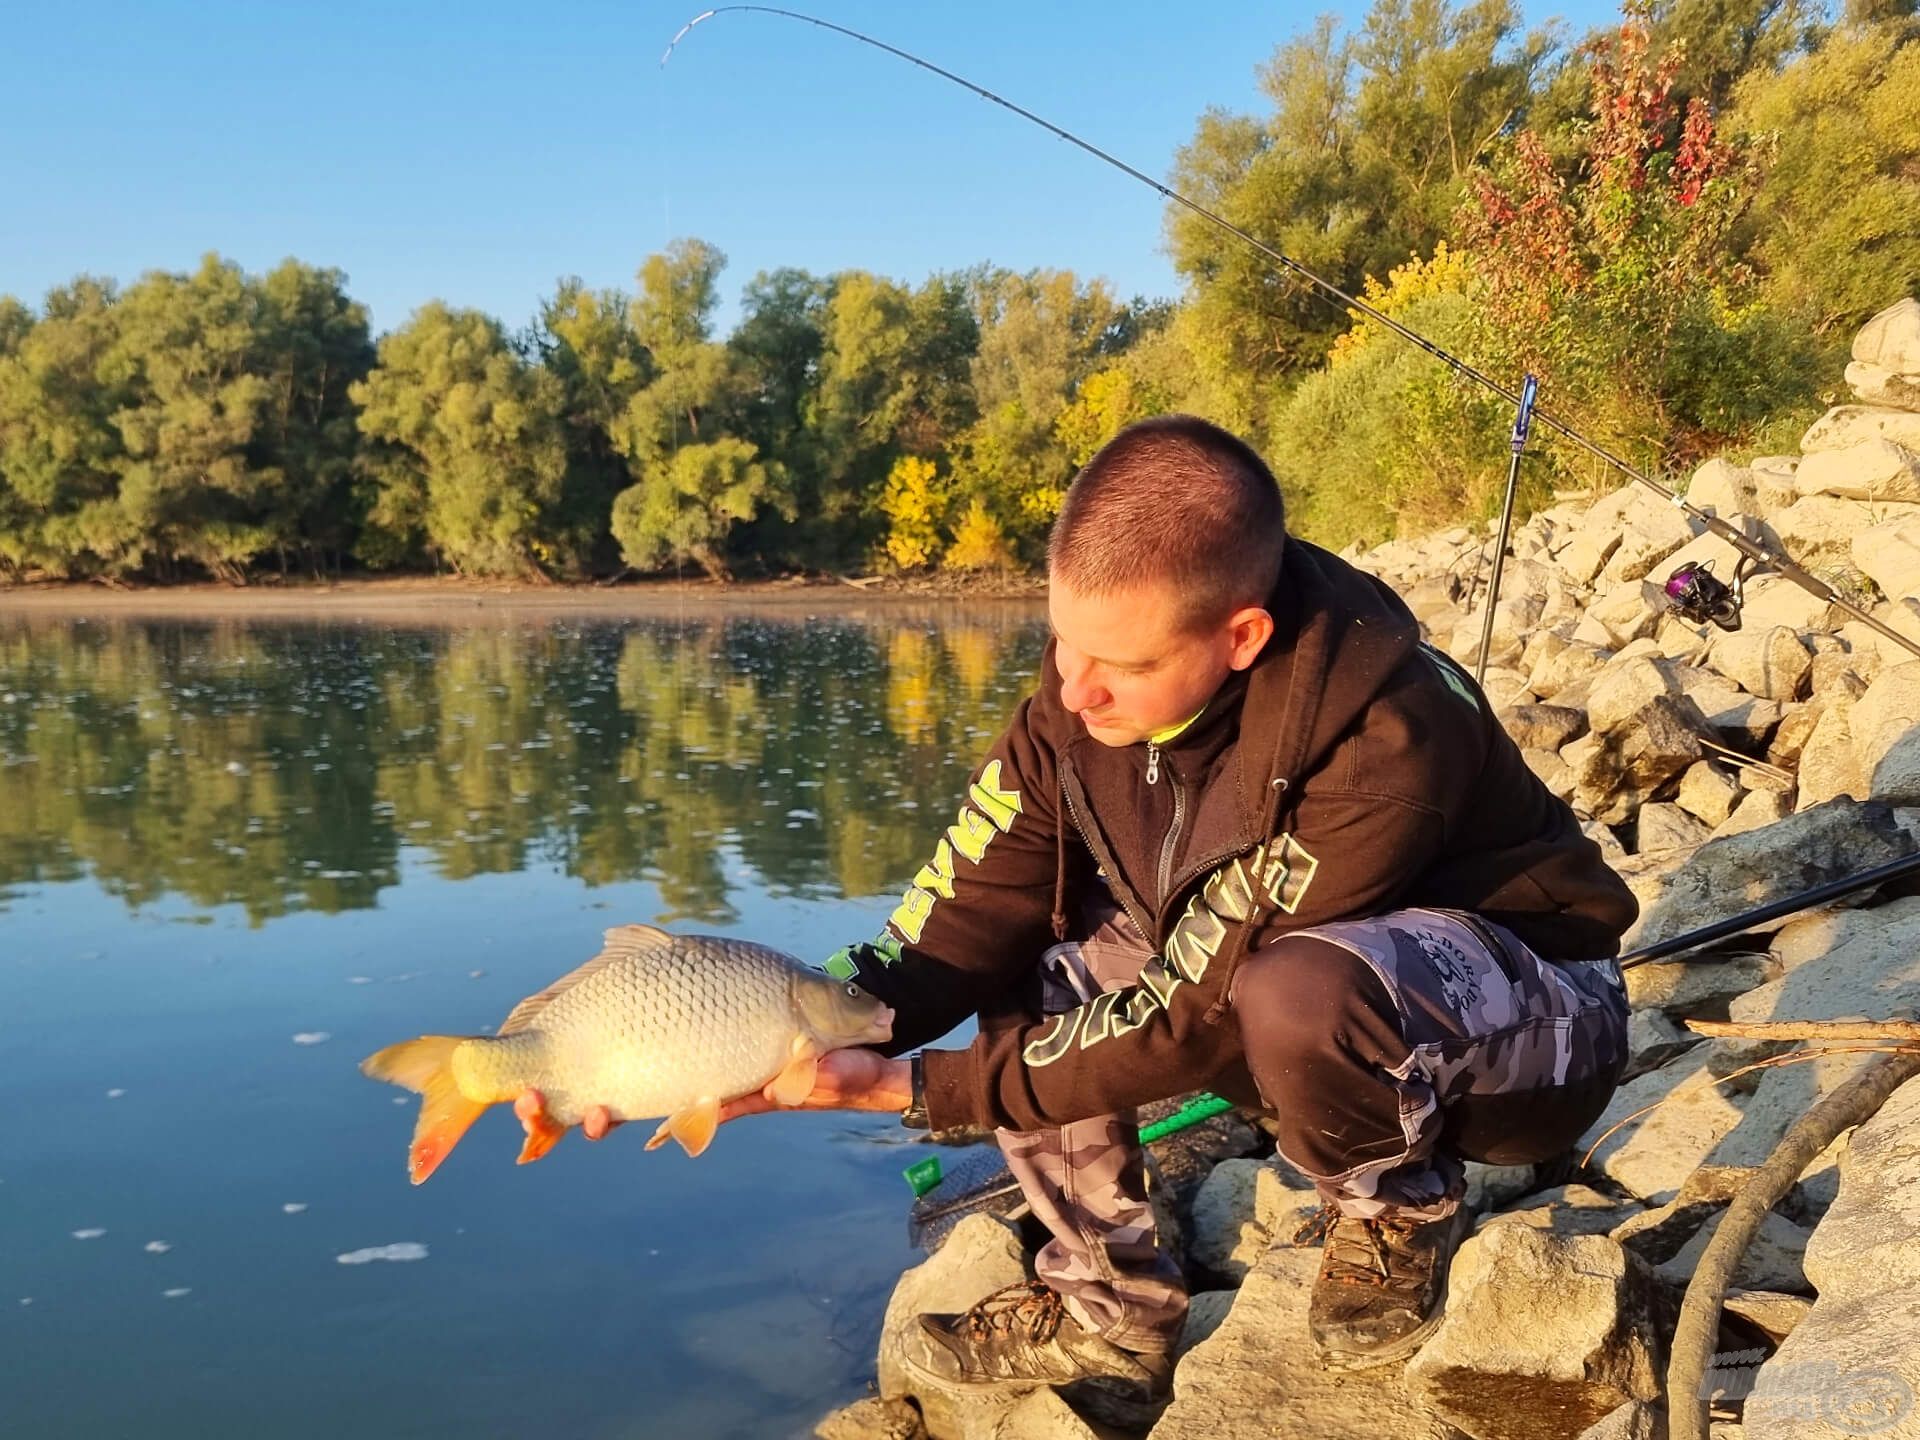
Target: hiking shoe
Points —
{"points": [[1381, 1287], [1022, 1337]]}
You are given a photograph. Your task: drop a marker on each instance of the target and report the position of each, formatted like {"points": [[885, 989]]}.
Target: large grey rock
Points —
{"points": [[1847, 425], [1258, 1372], [1773, 482], [1876, 470], [982, 1254], [1777, 1314], [1745, 720], [1543, 1335], [1892, 337], [1877, 385], [1771, 663], [1623, 613], [1889, 554], [1853, 1358], [1491, 1186], [1243, 1208], [1819, 932], [1653, 1155], [1739, 872]]}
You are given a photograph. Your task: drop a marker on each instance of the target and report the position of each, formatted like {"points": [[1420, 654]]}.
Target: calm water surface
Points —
{"points": [[235, 859]]}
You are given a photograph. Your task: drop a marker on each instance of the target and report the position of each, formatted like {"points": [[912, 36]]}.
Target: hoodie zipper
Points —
{"points": [[1153, 763], [1118, 887], [1173, 829]]}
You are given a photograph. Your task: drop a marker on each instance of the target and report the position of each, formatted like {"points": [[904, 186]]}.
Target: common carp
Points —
{"points": [[654, 1025]]}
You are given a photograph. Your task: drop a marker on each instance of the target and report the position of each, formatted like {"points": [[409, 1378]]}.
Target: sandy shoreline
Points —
{"points": [[453, 601]]}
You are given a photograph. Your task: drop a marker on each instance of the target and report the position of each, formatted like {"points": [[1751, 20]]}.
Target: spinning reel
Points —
{"points": [[1697, 595]]}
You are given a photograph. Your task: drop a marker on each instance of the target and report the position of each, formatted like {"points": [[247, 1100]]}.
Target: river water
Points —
{"points": [[235, 858]]}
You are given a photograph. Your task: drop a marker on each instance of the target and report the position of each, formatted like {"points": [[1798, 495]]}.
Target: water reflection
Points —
{"points": [[285, 767]]}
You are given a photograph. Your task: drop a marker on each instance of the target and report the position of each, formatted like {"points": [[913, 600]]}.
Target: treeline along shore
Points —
{"points": [[1675, 224]]}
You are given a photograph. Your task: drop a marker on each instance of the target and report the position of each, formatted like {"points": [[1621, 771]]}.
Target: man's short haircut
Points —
{"points": [[1173, 500]]}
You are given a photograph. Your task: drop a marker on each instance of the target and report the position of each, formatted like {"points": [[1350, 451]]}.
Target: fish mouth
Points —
{"points": [[881, 1027]]}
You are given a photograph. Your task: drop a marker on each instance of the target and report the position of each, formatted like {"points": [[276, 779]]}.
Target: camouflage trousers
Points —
{"points": [[1389, 1051]]}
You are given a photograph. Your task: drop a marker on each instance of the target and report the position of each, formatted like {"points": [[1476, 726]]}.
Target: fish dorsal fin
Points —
{"points": [[621, 942]]}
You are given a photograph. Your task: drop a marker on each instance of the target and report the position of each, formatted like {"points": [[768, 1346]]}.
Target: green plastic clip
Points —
{"points": [[923, 1175], [1201, 1107]]}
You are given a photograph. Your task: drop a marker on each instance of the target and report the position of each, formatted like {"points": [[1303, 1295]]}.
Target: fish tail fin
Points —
{"points": [[425, 1066]]}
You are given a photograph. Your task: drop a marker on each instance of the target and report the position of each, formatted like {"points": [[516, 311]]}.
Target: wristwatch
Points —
{"points": [[914, 1117]]}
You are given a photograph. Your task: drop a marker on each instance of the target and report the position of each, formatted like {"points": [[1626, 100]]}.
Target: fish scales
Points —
{"points": [[655, 1029]]}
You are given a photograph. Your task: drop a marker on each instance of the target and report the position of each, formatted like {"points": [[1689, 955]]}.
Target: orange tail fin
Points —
{"points": [[426, 1067]]}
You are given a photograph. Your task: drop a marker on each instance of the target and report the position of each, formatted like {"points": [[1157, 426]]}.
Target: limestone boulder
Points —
{"points": [[1739, 872], [1566, 1210], [1258, 1363], [1635, 1420], [1722, 488], [1773, 1259], [1491, 1186], [1828, 767], [1892, 338], [1873, 973], [873, 1419], [1757, 810], [1877, 385], [1848, 425], [1571, 663], [1543, 727], [1876, 470], [1242, 1209], [1889, 554], [1708, 792], [1772, 663], [1552, 771], [1649, 537], [1618, 615], [1883, 723], [1615, 774], [1543, 1335], [1852, 1357], [1773, 487], [1775, 600], [1699, 989], [1901, 616], [1653, 1038], [1652, 1156], [1665, 826], [982, 1254]]}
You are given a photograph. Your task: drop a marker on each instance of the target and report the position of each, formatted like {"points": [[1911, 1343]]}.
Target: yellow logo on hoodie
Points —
{"points": [[990, 813]]}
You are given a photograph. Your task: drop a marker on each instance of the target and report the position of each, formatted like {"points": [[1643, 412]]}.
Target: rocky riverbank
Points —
{"points": [[1719, 770]]}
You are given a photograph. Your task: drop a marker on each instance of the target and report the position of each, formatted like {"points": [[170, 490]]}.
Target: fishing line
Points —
{"points": [[1751, 549]]}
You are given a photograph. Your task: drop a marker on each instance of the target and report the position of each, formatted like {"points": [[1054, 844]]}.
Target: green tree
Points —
{"points": [[696, 478], [314, 346], [481, 439], [587, 341], [1359, 163], [1836, 226], [60, 452]]}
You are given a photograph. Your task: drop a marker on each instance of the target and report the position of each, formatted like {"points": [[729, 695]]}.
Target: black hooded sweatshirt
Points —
{"points": [[1351, 771]]}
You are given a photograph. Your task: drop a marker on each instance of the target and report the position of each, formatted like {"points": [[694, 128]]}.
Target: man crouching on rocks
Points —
{"points": [[1249, 834]]}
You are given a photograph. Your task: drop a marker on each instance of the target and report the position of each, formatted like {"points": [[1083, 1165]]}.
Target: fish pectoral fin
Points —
{"points": [[692, 1125], [543, 1133], [795, 1081]]}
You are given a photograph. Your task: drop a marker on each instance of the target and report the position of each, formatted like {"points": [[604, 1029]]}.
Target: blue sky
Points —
{"points": [[477, 152]]}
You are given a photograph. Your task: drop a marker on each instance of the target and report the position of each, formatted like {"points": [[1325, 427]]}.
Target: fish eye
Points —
{"points": [[854, 990]]}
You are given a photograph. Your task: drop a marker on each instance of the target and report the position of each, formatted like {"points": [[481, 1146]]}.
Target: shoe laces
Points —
{"points": [[1360, 1251], [1028, 1304]]}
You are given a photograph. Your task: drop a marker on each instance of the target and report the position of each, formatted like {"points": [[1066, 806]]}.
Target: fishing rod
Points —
{"points": [[1791, 905], [1749, 549]]}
